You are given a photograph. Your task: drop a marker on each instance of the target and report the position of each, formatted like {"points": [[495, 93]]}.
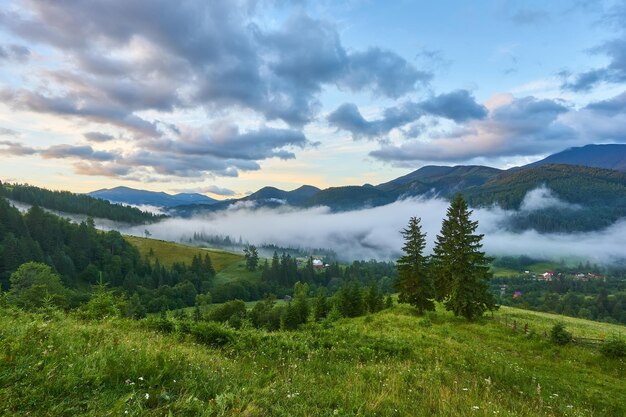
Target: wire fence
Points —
{"points": [[520, 326]]}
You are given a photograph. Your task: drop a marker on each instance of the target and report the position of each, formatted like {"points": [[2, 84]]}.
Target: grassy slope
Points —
{"points": [[386, 365], [168, 252]]}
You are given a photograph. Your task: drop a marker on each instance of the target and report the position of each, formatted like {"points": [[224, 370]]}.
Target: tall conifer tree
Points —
{"points": [[460, 268], [414, 281]]}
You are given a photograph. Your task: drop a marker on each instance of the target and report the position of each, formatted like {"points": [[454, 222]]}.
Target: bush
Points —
{"points": [[160, 324], [614, 348], [559, 335], [211, 334], [224, 312]]}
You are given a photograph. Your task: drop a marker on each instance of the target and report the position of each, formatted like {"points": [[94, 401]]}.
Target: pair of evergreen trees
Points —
{"points": [[457, 273]]}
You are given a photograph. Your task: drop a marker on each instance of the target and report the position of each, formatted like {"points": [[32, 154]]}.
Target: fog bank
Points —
{"points": [[375, 232]]}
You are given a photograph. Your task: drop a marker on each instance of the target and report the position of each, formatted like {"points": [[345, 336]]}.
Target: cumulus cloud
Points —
{"points": [[522, 126], [214, 49], [458, 106], [129, 65], [375, 232]]}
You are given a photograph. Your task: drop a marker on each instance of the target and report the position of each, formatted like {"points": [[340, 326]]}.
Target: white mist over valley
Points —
{"points": [[374, 233]]}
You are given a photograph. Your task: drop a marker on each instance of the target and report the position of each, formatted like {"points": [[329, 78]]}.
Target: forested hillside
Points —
{"points": [[82, 256], [596, 197], [68, 202]]}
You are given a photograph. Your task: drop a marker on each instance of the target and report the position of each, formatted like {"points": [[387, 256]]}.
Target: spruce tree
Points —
{"points": [[460, 268], [414, 282]]}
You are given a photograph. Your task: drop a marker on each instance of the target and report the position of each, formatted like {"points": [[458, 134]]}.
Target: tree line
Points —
{"points": [[68, 202]]}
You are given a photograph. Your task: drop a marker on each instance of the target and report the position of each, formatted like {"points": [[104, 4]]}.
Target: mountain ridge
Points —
{"points": [[128, 195]]}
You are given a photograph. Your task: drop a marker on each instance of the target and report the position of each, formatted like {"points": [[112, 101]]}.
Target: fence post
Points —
{"points": [[526, 328], [514, 325]]}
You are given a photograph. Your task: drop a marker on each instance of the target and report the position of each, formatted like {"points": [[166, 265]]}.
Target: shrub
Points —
{"points": [[559, 335], [224, 312], [614, 348], [160, 324], [211, 334]]}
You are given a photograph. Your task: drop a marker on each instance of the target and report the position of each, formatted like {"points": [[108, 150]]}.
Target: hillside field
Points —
{"points": [[169, 252], [391, 363]]}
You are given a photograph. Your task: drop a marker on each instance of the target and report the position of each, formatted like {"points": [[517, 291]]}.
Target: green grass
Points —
{"points": [[168, 252], [387, 364], [236, 271]]}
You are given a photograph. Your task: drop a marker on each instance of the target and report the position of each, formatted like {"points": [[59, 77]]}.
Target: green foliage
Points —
{"points": [[415, 283], [103, 304], [204, 299], [559, 335], [349, 300], [460, 268], [75, 203], [602, 193], [265, 314], [33, 283], [321, 307], [386, 366], [223, 312], [614, 348], [373, 299], [388, 301], [211, 334], [134, 308], [252, 257]]}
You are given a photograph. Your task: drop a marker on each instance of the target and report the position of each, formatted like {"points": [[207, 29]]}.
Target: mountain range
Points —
{"points": [[136, 197], [594, 175]]}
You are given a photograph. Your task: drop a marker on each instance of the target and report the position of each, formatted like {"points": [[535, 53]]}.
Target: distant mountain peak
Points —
{"points": [[608, 156]]}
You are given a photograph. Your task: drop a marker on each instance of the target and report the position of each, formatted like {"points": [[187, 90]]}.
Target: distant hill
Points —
{"points": [[142, 197], [350, 198], [574, 184], [598, 156], [68, 202], [439, 180]]}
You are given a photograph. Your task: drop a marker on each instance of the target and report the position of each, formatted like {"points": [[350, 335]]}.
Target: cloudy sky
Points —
{"points": [[226, 96]]}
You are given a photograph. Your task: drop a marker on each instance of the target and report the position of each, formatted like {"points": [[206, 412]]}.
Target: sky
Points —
{"points": [[224, 97]]}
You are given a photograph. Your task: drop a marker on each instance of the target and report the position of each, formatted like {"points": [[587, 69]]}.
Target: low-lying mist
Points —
{"points": [[375, 232]]}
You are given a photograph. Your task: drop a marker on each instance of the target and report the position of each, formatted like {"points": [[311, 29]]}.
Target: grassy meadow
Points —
{"points": [[391, 363], [169, 252]]}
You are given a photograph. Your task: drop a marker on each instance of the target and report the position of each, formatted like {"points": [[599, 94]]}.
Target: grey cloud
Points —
{"points": [[384, 72], [223, 140], [78, 106], [15, 148], [458, 106], [98, 137], [525, 126], [615, 50], [214, 189], [612, 106], [83, 152], [18, 53], [212, 51]]}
